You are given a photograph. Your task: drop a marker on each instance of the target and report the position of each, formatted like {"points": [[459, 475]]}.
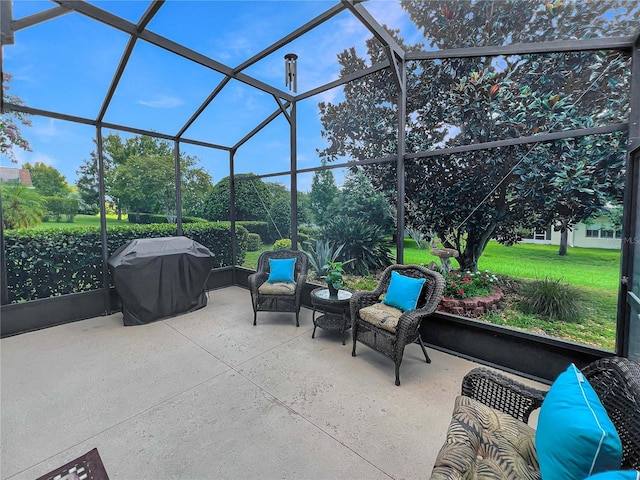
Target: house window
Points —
{"points": [[593, 233], [606, 233], [618, 233], [539, 234]]}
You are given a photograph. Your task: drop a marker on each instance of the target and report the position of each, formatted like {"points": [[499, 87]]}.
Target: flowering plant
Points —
{"points": [[10, 135], [469, 284]]}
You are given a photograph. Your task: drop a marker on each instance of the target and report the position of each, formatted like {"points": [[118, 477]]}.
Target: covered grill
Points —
{"points": [[160, 277]]}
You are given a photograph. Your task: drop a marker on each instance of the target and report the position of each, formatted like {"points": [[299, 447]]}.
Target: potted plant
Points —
{"points": [[334, 277]]}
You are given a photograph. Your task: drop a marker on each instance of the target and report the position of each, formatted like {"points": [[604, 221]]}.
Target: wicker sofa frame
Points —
{"points": [[616, 380], [408, 330], [278, 303]]}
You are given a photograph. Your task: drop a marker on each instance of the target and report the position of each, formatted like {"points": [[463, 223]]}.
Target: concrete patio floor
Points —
{"points": [[207, 395]]}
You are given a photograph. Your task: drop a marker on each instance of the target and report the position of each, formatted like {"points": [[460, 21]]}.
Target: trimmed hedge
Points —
{"points": [[267, 233], [254, 242], [52, 262], [151, 218]]}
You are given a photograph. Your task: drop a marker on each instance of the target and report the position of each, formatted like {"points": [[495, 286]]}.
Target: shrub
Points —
{"points": [[469, 284], [422, 241], [320, 253], [308, 232], [254, 242], [282, 244], [150, 218], [146, 218], [261, 228], [365, 242], [554, 299], [59, 206], [193, 220], [51, 262]]}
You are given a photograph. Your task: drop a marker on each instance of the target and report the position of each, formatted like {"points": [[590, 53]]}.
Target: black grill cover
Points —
{"points": [[160, 277]]}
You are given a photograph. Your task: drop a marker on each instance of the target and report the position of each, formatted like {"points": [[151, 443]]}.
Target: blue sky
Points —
{"points": [[66, 65]]}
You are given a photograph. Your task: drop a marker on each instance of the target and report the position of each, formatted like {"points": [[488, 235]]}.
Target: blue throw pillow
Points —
{"points": [[616, 475], [403, 292], [575, 437], [281, 270]]}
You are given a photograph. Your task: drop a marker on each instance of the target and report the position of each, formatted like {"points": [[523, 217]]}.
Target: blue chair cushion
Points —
{"points": [[575, 437], [281, 270], [403, 292]]}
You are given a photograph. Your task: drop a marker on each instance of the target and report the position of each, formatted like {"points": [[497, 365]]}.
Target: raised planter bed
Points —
{"points": [[473, 306]]}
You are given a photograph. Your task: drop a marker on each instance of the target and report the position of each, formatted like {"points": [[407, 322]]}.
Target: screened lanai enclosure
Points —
{"points": [[479, 126]]}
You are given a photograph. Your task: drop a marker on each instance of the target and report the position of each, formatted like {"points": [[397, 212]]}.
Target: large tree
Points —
{"points": [[358, 198], [139, 176], [252, 199], [87, 183], [470, 198], [323, 192], [47, 180], [256, 200]]}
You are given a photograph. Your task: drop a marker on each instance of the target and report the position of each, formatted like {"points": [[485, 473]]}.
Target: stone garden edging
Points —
{"points": [[473, 306]]}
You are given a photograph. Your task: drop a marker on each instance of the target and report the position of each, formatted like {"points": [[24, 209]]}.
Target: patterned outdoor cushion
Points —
{"points": [[277, 288], [381, 315], [483, 443]]}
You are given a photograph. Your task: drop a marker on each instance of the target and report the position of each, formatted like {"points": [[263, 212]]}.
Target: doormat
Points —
{"points": [[86, 467]]}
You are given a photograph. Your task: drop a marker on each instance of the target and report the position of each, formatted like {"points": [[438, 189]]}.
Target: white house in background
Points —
{"points": [[598, 234]]}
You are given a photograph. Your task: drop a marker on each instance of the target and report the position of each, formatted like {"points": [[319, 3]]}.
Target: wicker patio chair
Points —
{"points": [[407, 330], [615, 380], [286, 301]]}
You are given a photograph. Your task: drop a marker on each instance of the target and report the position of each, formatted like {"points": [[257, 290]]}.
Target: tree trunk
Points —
{"points": [[564, 239], [468, 260]]}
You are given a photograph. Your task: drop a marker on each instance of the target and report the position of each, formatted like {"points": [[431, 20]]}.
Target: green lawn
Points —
{"points": [[84, 221], [251, 258], [594, 268], [595, 271]]}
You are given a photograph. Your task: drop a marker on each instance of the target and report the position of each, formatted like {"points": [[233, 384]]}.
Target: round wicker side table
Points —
{"points": [[335, 311]]}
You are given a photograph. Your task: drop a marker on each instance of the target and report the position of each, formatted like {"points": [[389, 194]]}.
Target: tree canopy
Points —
{"points": [[140, 177], [323, 192], [471, 197], [358, 198], [47, 180]]}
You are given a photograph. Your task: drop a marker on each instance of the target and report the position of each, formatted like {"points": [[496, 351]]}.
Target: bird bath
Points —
{"points": [[445, 254]]}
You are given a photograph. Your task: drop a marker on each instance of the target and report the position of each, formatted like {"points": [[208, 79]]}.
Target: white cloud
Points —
{"points": [[162, 101], [45, 128], [329, 96], [232, 45]]}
